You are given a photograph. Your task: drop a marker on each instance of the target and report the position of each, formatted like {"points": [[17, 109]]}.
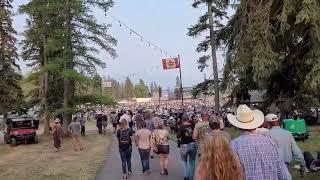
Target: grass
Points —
{"points": [[41, 162]]}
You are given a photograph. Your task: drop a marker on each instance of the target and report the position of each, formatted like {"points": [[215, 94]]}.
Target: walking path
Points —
{"points": [[111, 169]]}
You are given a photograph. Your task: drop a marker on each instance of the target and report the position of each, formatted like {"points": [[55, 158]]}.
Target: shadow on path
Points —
{"points": [[111, 169]]}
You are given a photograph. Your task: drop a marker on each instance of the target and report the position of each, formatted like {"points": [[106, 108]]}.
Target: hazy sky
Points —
{"points": [[163, 22]]}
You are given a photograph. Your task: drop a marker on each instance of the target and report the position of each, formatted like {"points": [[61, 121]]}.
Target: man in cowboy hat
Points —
{"points": [[287, 146], [257, 153]]}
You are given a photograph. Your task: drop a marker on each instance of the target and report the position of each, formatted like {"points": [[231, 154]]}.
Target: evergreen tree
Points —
{"points": [[128, 88], [141, 90], [10, 90], [211, 21]]}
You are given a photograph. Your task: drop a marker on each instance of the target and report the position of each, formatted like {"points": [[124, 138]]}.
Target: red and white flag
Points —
{"points": [[170, 63]]}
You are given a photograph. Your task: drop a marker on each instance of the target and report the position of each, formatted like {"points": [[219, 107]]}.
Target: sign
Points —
{"points": [[106, 84], [170, 63]]}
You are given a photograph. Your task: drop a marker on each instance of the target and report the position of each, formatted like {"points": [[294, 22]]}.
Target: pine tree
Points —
{"points": [[210, 21], [10, 90], [128, 88]]}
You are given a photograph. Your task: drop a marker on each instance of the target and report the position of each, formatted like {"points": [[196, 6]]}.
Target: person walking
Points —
{"points": [[149, 125], [98, 117], [125, 147], [74, 128], [143, 142], [215, 130], [188, 147], [287, 146], [257, 153], [160, 145], [113, 117], [201, 130], [83, 125], [104, 123], [218, 161], [138, 119], [56, 134]]}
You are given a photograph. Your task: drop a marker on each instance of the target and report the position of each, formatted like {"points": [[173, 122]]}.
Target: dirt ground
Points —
{"points": [[41, 162]]}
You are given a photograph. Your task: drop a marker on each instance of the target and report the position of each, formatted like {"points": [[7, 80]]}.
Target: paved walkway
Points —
{"points": [[111, 170]]}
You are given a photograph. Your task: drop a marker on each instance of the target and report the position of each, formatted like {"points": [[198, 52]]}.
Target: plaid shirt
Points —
{"points": [[259, 158]]}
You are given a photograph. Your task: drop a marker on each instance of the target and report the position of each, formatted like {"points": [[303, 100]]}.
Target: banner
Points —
{"points": [[106, 84], [170, 63]]}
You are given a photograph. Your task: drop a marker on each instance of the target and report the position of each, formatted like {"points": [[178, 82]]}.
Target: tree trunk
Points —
{"points": [[68, 82], [45, 90], [214, 59], [45, 79]]}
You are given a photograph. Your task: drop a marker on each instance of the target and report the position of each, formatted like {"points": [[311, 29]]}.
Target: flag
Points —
{"points": [[170, 63]]}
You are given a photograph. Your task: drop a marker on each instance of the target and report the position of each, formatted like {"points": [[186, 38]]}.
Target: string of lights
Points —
{"points": [[142, 38]]}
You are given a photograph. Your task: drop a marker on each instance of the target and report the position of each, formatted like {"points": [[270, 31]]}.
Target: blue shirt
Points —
{"points": [[287, 146], [259, 158]]}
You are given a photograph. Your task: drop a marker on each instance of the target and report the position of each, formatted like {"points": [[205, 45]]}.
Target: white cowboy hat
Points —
{"points": [[271, 118], [246, 118]]}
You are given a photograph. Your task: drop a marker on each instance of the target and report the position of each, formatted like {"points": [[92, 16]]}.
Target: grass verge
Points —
{"points": [[41, 162]]}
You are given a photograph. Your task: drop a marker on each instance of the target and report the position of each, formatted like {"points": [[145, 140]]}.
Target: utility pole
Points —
{"points": [[214, 58], [181, 87]]}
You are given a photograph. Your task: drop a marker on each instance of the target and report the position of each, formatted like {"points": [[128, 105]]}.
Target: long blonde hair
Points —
{"points": [[218, 161], [124, 124]]}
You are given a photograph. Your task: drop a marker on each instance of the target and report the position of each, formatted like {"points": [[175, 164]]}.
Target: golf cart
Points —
{"points": [[21, 129]]}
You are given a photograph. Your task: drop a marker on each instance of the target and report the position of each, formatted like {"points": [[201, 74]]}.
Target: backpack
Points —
{"points": [[124, 137]]}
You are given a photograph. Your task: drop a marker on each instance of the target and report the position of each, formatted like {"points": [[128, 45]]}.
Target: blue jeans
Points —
{"points": [[144, 155], [125, 155], [188, 150]]}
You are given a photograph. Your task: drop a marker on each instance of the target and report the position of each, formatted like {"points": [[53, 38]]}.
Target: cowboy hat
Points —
{"points": [[246, 118], [271, 118]]}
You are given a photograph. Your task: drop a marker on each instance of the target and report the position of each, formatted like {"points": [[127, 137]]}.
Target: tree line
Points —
{"points": [[128, 89]]}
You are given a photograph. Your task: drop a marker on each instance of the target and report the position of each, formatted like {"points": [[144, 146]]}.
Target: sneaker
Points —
{"points": [[129, 173], [125, 176], [147, 172]]}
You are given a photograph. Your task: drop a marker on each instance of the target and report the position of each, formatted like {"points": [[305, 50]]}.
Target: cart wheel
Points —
{"points": [[36, 140], [13, 142]]}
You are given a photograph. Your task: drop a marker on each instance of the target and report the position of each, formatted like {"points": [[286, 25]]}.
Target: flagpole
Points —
{"points": [[181, 90]]}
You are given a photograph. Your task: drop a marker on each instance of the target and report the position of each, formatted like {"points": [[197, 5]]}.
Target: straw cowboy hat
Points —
{"points": [[246, 118]]}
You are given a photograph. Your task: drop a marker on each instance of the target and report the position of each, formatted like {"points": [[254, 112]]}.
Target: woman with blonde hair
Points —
{"points": [[160, 145], [125, 147], [218, 161]]}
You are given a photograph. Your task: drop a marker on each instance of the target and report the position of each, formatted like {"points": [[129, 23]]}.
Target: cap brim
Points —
{"points": [[258, 119]]}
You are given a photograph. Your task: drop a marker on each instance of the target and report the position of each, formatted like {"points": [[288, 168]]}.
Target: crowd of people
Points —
{"points": [[255, 154], [262, 151]]}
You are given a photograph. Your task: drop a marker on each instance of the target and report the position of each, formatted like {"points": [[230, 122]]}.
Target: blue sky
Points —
{"points": [[163, 22]]}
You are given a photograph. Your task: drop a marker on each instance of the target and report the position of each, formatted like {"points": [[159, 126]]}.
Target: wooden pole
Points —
{"points": [[181, 90]]}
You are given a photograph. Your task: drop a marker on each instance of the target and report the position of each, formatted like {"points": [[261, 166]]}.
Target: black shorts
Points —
{"points": [[163, 149]]}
